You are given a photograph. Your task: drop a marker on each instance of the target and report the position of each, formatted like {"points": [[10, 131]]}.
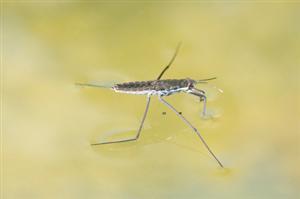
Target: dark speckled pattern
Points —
{"points": [[157, 85]]}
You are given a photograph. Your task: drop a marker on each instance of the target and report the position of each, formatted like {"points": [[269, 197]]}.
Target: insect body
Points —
{"points": [[155, 87], [162, 88]]}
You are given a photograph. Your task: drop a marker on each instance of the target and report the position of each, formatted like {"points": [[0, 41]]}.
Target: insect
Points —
{"points": [[162, 88]]}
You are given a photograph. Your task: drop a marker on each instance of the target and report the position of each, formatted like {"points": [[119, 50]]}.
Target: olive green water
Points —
{"points": [[49, 123]]}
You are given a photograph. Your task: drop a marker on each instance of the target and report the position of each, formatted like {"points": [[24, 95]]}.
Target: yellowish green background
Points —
{"points": [[253, 48]]}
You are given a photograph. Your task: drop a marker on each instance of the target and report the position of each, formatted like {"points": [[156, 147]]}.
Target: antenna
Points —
{"points": [[205, 80]]}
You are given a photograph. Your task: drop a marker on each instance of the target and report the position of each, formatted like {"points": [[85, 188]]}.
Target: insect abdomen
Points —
{"points": [[141, 87], [160, 87]]}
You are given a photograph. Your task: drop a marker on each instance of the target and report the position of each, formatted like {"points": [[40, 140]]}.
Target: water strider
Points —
{"points": [[161, 88]]}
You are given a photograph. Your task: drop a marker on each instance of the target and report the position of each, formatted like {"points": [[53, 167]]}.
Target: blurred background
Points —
{"points": [[252, 48]]}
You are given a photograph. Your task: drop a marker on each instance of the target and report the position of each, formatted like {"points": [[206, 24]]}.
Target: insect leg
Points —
{"points": [[202, 96], [138, 132], [92, 85], [190, 125], [171, 61]]}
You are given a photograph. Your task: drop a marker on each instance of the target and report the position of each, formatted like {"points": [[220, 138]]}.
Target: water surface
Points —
{"points": [[49, 123]]}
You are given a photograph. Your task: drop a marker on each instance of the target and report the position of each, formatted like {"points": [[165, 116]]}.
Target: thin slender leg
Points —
{"points": [[170, 63], [138, 132], [204, 105], [190, 125], [202, 96], [92, 85]]}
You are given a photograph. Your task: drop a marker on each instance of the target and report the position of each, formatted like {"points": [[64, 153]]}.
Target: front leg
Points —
{"points": [[201, 95]]}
